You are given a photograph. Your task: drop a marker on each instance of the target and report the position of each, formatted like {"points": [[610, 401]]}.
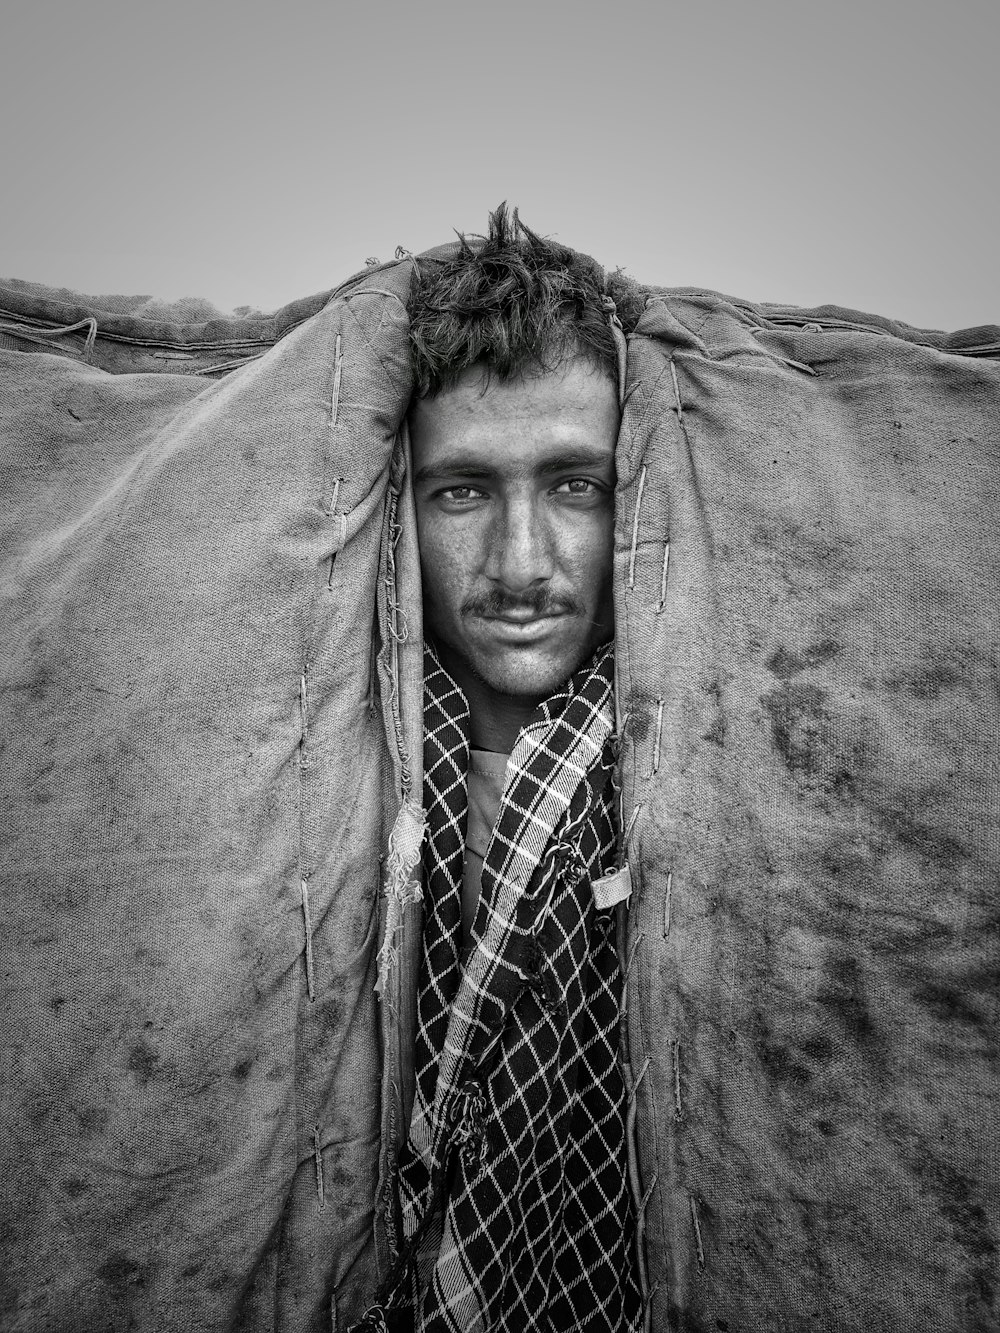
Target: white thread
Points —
{"points": [[40, 336], [307, 918], [640, 1240], [635, 529], [633, 1173], [663, 580], [797, 365], [641, 1076], [677, 391], [647, 1316], [631, 957], [340, 535], [697, 1231], [659, 736], [318, 1158], [631, 826], [338, 366], [646, 1197]]}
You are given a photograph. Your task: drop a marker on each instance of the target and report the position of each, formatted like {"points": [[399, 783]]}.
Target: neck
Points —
{"points": [[494, 719]]}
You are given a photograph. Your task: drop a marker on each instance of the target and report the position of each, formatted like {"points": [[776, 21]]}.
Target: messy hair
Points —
{"points": [[517, 303]]}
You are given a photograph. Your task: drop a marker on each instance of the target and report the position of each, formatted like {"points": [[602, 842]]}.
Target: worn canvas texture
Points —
{"points": [[811, 688], [197, 516], [195, 789]]}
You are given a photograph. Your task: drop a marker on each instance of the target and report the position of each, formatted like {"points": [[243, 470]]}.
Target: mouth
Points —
{"points": [[521, 626]]}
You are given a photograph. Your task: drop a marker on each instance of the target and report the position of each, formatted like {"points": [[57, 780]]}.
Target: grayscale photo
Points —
{"points": [[500, 667]]}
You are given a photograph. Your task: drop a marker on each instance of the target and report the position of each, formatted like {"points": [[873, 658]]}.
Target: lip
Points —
{"points": [[520, 628]]}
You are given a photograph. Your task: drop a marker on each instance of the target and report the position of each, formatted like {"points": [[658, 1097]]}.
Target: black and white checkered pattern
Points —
{"points": [[514, 1187]]}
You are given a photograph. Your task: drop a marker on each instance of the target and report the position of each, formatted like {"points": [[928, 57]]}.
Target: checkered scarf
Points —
{"points": [[514, 1187]]}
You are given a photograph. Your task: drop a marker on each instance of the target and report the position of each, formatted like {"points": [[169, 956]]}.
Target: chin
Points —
{"points": [[525, 675]]}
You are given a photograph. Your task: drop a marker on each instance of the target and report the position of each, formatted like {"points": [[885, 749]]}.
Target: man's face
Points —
{"points": [[514, 493]]}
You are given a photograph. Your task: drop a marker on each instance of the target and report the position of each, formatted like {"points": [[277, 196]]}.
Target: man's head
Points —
{"points": [[514, 430]]}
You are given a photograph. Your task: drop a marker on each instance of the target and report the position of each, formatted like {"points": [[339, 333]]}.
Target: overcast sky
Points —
{"points": [[253, 153]]}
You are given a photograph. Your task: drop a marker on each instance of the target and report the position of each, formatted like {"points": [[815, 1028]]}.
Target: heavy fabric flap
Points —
{"points": [[196, 789], [808, 586]]}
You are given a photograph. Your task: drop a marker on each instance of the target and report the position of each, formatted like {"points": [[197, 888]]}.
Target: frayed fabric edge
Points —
{"points": [[401, 885]]}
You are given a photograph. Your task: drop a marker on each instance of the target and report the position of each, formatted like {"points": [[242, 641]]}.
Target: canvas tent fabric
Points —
{"points": [[192, 770], [211, 811], [812, 746]]}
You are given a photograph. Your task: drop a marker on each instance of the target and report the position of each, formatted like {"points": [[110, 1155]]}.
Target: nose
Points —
{"points": [[521, 551]]}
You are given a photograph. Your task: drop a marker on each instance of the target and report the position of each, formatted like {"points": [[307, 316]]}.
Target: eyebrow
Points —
{"points": [[476, 470]]}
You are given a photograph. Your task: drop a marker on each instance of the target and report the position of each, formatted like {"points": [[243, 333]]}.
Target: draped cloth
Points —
{"points": [[514, 1180]]}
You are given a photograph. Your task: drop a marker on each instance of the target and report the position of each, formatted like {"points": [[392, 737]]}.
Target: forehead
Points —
{"points": [[573, 407]]}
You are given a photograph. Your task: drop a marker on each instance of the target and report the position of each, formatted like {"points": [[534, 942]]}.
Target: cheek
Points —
{"points": [[444, 559], [591, 553]]}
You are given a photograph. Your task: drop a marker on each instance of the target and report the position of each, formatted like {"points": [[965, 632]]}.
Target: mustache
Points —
{"points": [[538, 601]]}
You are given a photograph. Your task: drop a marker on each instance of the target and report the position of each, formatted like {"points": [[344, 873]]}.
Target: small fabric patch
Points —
{"points": [[612, 888]]}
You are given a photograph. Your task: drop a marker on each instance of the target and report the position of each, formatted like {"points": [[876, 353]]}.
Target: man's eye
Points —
{"points": [[460, 493], [576, 486]]}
